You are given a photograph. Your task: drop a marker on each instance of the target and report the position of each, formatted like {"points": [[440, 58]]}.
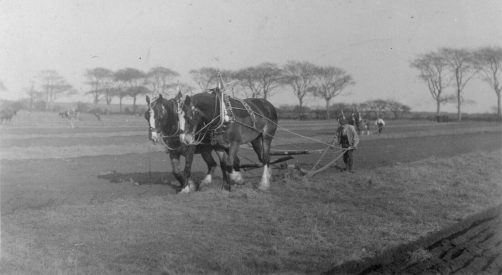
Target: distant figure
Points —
{"points": [[348, 139], [352, 120], [358, 122], [367, 126], [97, 115], [380, 123]]}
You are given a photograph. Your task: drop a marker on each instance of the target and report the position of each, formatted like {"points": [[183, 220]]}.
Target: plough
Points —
{"points": [[288, 155]]}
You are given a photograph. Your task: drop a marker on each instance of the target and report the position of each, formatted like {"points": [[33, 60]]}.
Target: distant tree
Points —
{"points": [[249, 78], [329, 82], [300, 76], [461, 64], [119, 91], [160, 78], [379, 106], [397, 108], [33, 95], [432, 67], [185, 88], [205, 77], [130, 80], [109, 86], [134, 92], [97, 80], [489, 62], [232, 84], [341, 109], [53, 85], [269, 78]]}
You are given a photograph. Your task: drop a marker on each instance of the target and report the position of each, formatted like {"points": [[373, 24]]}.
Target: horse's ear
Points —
{"points": [[187, 100], [148, 100], [179, 95], [160, 96]]}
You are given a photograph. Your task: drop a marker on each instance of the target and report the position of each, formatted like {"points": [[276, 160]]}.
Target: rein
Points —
{"points": [[220, 124]]}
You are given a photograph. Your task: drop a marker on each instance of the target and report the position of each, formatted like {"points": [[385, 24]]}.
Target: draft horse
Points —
{"points": [[230, 122], [162, 117]]}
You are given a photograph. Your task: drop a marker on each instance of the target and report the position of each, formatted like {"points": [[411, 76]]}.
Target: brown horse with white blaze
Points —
{"points": [[230, 122], [162, 117]]}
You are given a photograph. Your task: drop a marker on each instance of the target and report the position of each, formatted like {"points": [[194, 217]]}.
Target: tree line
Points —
{"points": [[450, 67], [439, 70], [303, 78]]}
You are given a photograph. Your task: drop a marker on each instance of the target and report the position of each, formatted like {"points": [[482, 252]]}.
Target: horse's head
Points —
{"points": [[189, 117], [157, 116]]}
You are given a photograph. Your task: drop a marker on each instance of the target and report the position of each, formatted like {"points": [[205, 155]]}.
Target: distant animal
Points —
{"points": [[68, 114], [63, 114], [230, 122], [381, 124], [7, 115], [162, 117]]}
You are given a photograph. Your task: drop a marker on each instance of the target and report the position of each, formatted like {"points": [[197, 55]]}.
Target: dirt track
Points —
{"points": [[472, 246]]}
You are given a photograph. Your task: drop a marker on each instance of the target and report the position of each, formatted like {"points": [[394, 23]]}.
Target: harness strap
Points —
{"points": [[228, 112], [250, 112]]}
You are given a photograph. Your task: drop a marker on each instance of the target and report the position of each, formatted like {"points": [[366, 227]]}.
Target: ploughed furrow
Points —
{"points": [[471, 246]]}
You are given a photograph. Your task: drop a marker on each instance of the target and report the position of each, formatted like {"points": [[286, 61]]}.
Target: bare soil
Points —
{"points": [[118, 212], [98, 179], [471, 246]]}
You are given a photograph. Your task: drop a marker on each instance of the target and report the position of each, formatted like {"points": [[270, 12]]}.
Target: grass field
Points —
{"points": [[96, 199]]}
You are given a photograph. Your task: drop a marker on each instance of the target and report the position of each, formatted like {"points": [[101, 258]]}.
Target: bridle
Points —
{"points": [[155, 129], [207, 128]]}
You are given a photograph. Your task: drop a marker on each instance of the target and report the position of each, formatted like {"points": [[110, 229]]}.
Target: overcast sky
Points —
{"points": [[374, 41]]}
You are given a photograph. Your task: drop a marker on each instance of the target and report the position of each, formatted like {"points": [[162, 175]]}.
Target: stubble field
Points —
{"points": [[99, 199]]}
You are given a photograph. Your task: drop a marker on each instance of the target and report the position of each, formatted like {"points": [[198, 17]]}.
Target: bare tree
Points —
{"points": [[379, 106], [232, 83], [134, 92], [489, 63], [132, 81], [159, 79], [269, 77], [53, 85], [33, 94], [330, 82], [432, 67], [249, 79], [185, 88], [397, 108], [108, 85], [300, 76], [461, 64], [205, 77], [96, 79]]}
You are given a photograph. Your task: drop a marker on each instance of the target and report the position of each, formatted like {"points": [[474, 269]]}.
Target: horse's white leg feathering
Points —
{"points": [[265, 179]]}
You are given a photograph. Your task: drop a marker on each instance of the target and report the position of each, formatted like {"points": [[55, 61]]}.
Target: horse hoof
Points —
{"points": [[186, 190], [225, 187], [207, 180], [237, 178]]}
